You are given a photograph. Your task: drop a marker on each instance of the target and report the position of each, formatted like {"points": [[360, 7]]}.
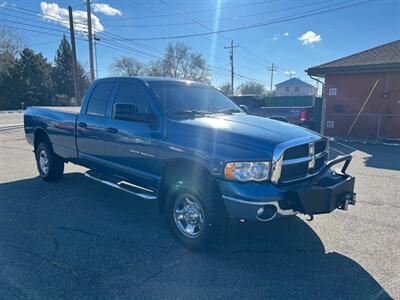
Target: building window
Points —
{"points": [[332, 91], [287, 89], [330, 124], [297, 89]]}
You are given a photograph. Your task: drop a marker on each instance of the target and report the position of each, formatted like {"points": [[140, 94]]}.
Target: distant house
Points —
{"points": [[295, 87], [362, 93]]}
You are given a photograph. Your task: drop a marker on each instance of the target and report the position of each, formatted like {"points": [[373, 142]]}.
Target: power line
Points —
{"points": [[237, 74], [35, 31], [206, 27], [156, 15], [102, 34], [142, 45], [107, 34], [235, 18], [104, 39], [276, 21], [35, 26]]}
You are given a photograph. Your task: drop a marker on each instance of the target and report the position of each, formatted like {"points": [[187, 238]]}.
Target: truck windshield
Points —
{"points": [[181, 98]]}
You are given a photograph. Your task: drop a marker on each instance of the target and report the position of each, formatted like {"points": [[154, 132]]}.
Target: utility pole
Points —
{"points": [[231, 58], [272, 68], [89, 26], [74, 61], [96, 39]]}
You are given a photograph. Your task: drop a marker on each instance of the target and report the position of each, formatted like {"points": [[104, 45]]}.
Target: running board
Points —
{"points": [[123, 186]]}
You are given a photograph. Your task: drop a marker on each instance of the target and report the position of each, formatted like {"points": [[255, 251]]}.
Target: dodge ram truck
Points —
{"points": [[194, 151]]}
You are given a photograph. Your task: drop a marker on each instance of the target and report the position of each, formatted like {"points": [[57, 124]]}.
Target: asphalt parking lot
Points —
{"points": [[79, 239]]}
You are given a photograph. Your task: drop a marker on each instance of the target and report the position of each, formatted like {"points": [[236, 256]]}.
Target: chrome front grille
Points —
{"points": [[298, 159]]}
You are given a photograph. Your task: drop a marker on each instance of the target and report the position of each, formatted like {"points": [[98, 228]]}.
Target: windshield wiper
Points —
{"points": [[189, 113], [229, 111]]}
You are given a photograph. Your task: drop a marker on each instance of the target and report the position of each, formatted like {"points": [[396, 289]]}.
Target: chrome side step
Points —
{"points": [[118, 185]]}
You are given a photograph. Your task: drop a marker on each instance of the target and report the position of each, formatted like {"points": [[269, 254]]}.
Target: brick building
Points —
{"points": [[362, 93]]}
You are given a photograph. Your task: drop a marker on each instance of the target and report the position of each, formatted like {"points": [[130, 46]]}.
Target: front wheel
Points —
{"points": [[196, 219], [49, 164]]}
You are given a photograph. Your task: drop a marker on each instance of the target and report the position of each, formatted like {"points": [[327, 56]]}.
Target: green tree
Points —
{"points": [[251, 87], [84, 81], [62, 72], [32, 82]]}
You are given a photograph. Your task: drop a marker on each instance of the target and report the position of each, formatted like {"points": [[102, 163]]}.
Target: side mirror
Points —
{"points": [[128, 112], [244, 108]]}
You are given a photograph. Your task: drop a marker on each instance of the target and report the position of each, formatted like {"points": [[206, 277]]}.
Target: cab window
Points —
{"points": [[130, 93], [99, 98]]}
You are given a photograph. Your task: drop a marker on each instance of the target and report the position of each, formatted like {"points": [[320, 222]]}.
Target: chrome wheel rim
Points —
{"points": [[43, 161], [188, 215]]}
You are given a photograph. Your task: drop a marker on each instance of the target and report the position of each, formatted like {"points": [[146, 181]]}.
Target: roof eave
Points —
{"points": [[322, 71]]}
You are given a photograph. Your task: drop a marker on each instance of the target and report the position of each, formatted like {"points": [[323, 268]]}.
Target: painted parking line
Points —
{"points": [[338, 151], [347, 146]]}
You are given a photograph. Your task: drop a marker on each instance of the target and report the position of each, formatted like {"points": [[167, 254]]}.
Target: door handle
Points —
{"points": [[112, 130], [81, 124]]}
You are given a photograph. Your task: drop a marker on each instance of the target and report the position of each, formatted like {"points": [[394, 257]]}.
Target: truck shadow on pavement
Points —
{"points": [[373, 155], [79, 239]]}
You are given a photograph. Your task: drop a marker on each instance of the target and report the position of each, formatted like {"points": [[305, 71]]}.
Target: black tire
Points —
{"points": [[55, 164], [214, 214]]}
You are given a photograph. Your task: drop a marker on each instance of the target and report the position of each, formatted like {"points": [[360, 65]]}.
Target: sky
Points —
{"points": [[292, 34]]}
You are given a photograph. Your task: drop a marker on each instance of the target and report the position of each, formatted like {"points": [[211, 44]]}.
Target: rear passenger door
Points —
{"points": [[92, 122]]}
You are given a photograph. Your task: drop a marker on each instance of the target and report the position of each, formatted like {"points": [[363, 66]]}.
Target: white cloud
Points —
{"points": [[56, 14], [106, 9], [309, 38], [290, 73], [277, 36]]}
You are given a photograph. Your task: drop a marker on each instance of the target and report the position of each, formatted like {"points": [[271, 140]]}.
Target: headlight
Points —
{"points": [[247, 171]]}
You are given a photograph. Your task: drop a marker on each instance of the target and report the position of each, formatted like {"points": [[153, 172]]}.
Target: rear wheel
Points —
{"points": [[196, 218], [49, 164]]}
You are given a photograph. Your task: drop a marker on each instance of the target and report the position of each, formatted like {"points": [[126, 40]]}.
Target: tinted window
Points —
{"points": [[98, 100], [131, 93], [178, 96]]}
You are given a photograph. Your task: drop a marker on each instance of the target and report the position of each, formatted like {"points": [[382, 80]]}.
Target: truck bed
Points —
{"points": [[60, 125], [67, 109]]}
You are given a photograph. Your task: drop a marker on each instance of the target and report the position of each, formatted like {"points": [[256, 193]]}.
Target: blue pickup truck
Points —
{"points": [[187, 146]]}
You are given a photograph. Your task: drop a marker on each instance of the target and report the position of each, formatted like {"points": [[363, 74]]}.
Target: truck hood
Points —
{"points": [[243, 130]]}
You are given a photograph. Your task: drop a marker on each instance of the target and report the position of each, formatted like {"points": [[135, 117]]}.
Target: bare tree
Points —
{"points": [[10, 45], [251, 87], [225, 88], [180, 62], [127, 66]]}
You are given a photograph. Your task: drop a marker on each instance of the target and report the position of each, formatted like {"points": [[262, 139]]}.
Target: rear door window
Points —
{"points": [[99, 98]]}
